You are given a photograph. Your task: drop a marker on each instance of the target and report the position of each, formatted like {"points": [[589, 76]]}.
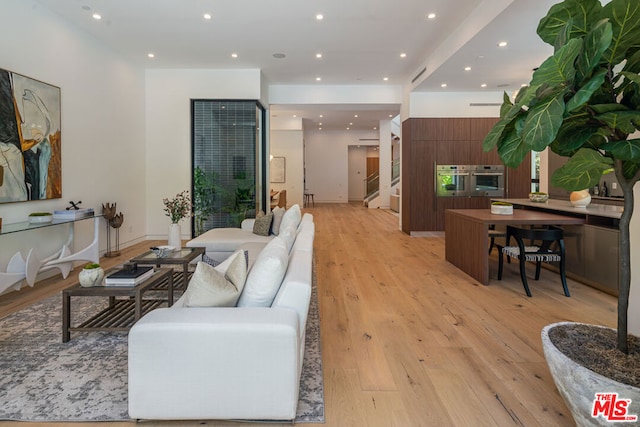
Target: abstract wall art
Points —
{"points": [[30, 139]]}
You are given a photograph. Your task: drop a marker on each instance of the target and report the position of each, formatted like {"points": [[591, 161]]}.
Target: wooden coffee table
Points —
{"points": [[183, 257], [121, 313]]}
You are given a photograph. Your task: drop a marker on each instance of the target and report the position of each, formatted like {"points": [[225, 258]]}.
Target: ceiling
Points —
{"points": [[361, 43]]}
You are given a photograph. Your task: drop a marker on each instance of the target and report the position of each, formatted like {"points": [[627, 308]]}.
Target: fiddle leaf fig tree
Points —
{"points": [[583, 102]]}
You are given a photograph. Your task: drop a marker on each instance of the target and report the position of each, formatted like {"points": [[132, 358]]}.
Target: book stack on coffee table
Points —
{"points": [[128, 276]]}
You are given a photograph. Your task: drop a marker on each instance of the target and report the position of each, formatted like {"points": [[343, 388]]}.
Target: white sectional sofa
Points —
{"points": [[220, 243], [225, 362]]}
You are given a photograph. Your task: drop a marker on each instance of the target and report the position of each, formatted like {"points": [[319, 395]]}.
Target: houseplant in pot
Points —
{"points": [[204, 191], [177, 209], [583, 103], [91, 275]]}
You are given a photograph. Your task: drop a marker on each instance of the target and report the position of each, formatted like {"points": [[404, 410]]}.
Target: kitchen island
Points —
{"points": [[592, 244]]}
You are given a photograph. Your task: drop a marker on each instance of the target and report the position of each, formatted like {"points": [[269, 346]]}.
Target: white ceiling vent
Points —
{"points": [[485, 104]]}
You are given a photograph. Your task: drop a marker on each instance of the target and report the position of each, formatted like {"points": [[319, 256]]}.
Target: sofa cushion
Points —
{"points": [[226, 239], [288, 234], [291, 217], [262, 224], [278, 214], [265, 277], [210, 288]]}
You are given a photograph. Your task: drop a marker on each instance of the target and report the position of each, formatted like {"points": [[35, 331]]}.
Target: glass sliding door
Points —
{"points": [[227, 150]]}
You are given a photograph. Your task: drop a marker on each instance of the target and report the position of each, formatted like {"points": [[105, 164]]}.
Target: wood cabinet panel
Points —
{"points": [[453, 152], [407, 184], [422, 208], [441, 129], [480, 126], [518, 181]]}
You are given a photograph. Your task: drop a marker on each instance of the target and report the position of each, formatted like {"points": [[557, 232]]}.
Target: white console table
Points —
{"points": [[20, 269]]}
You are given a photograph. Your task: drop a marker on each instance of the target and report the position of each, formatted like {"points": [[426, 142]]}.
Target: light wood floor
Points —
{"points": [[409, 340]]}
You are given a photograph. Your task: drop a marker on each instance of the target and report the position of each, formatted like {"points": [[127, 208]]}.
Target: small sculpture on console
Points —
{"points": [[74, 205], [113, 220]]}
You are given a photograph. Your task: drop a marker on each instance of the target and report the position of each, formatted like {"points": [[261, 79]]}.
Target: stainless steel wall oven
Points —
{"points": [[453, 180], [487, 180]]}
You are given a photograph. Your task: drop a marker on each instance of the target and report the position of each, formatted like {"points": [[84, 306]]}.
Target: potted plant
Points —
{"points": [[91, 275], [203, 198], [583, 103], [177, 209], [40, 217]]}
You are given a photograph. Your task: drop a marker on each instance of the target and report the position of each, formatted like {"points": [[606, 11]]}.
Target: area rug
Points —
{"points": [[44, 379]]}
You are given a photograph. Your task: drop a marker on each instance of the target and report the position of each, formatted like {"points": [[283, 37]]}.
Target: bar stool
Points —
{"points": [[308, 197]]}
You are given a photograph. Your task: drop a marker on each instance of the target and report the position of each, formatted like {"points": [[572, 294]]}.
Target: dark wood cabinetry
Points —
{"points": [[430, 141]]}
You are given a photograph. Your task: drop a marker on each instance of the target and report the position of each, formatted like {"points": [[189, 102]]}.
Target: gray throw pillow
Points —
{"points": [[262, 224]]}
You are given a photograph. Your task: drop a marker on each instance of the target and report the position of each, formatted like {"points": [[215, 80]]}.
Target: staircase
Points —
{"points": [[372, 188]]}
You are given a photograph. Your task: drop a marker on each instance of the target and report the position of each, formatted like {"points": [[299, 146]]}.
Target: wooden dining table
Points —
{"points": [[467, 235]]}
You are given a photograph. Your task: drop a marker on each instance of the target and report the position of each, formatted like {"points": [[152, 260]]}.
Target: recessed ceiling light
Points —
{"points": [[375, 128], [320, 115], [502, 44], [295, 115], [319, 124], [319, 17], [350, 124], [234, 55], [97, 16], [467, 68], [483, 85], [318, 79], [431, 16], [355, 115], [386, 79], [403, 55], [443, 85], [348, 129], [318, 55], [207, 16], [319, 128], [151, 55], [390, 115]]}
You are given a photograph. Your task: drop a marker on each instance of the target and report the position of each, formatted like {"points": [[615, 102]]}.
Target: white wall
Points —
{"points": [[357, 172], [103, 149], [454, 104], [326, 155], [289, 144], [168, 140]]}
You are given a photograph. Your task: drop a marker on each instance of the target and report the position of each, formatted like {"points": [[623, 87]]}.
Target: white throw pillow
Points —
{"points": [[291, 217], [210, 288], [278, 214], [289, 236], [266, 275]]}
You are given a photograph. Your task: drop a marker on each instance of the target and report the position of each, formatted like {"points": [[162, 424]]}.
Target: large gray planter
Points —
{"points": [[578, 385]]}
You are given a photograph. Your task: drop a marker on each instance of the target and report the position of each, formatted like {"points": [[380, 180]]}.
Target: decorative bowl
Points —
{"points": [[163, 251], [501, 209], [538, 197]]}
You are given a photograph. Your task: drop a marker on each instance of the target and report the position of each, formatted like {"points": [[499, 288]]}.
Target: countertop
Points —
{"points": [[595, 209]]}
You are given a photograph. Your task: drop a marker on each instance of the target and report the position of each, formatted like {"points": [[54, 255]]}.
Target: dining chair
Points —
{"points": [[282, 199], [543, 245], [493, 234]]}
